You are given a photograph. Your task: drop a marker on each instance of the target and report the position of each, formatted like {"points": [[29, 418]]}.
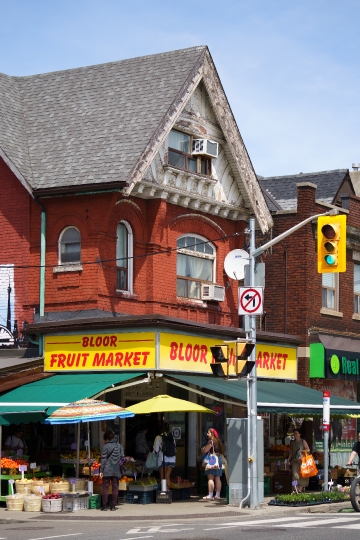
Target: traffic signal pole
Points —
{"points": [[252, 379]]}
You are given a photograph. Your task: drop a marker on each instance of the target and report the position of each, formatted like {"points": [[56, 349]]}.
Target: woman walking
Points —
{"points": [[111, 454], [297, 448], [214, 445]]}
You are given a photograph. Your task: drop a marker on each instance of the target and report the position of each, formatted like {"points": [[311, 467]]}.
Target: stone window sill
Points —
{"points": [[67, 268], [125, 294], [331, 312], [356, 317]]}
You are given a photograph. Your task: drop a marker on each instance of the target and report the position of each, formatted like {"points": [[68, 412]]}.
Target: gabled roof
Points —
{"points": [[101, 126], [284, 191]]}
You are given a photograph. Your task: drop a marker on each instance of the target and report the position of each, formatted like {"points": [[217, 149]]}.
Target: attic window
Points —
{"points": [[179, 154]]}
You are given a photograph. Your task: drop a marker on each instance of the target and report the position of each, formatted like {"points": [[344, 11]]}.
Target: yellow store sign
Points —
{"points": [[146, 351], [100, 352]]}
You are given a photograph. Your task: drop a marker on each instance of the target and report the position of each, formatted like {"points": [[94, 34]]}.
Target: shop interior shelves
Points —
{"points": [[5, 488]]}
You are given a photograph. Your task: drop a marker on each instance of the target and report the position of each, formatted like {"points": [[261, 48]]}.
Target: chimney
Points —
{"points": [[355, 166]]}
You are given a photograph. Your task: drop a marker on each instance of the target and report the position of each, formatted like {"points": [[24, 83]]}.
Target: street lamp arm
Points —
{"points": [[258, 251]]}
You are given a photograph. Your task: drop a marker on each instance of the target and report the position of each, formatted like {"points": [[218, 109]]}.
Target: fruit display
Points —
{"points": [[12, 463], [71, 457], [282, 447], [149, 481], [52, 496], [181, 484]]}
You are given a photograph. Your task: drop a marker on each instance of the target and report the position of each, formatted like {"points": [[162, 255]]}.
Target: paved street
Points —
{"points": [[328, 526]]}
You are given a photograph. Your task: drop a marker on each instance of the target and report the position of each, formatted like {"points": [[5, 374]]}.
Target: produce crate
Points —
{"points": [[164, 497], [74, 504], [95, 501], [139, 497], [51, 505], [140, 488], [344, 480]]}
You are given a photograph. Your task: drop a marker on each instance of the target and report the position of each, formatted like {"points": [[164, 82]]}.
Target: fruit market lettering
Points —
{"points": [[271, 361]]}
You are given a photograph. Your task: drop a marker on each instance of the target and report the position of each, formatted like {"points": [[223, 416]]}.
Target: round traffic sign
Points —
{"points": [[250, 300]]}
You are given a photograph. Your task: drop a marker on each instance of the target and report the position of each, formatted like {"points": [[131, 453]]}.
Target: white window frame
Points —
{"points": [[61, 263], [130, 251], [193, 253], [325, 309]]}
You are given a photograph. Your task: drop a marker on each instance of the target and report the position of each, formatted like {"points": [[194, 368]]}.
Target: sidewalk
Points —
{"points": [[193, 508]]}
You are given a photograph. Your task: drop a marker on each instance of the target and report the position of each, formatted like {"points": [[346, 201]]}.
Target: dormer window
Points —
{"points": [[179, 154]]}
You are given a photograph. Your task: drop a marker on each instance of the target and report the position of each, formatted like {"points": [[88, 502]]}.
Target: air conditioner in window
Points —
{"points": [[204, 147], [212, 292]]}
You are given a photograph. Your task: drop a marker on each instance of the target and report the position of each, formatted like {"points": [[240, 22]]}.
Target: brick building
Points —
{"points": [[323, 309]]}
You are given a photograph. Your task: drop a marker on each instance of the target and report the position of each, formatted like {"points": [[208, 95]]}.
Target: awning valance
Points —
{"points": [[47, 395], [276, 397]]}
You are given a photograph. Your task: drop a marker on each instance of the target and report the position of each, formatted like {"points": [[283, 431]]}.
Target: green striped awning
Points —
{"points": [[47, 395], [275, 397]]}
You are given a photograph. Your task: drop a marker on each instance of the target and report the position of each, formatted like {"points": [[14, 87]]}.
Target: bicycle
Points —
{"points": [[355, 490]]}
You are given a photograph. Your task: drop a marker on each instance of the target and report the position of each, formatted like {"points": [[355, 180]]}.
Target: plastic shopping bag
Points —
{"points": [[308, 467], [151, 461]]}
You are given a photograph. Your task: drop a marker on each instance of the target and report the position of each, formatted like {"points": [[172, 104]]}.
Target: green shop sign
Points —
{"points": [[333, 364]]}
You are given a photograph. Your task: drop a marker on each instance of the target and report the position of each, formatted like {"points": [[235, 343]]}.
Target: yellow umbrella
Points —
{"points": [[165, 403]]}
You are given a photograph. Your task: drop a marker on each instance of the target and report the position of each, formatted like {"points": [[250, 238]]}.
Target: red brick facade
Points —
{"points": [[156, 225], [15, 219], [293, 293]]}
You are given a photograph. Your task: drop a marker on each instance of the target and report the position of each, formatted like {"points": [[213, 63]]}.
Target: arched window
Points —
{"points": [[195, 264], [124, 261], [70, 246]]}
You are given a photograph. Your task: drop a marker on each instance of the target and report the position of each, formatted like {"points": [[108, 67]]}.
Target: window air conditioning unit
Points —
{"points": [[212, 292], [204, 147]]}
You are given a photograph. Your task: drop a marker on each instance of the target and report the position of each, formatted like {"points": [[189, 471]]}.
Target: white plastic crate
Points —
{"points": [[74, 504]]}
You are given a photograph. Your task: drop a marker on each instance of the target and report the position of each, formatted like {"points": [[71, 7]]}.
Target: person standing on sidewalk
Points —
{"points": [[111, 455], [298, 447], [214, 445]]}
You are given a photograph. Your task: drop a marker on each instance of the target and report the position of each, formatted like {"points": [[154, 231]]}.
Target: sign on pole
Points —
{"points": [[251, 300]]}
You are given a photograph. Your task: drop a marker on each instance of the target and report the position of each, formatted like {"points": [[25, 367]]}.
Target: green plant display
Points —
{"points": [[311, 498]]}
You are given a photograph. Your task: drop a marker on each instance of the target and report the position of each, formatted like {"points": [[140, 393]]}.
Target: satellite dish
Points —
{"points": [[235, 263]]}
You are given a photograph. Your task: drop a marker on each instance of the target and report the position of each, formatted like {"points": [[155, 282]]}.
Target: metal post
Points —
{"points": [[326, 431], [254, 496]]}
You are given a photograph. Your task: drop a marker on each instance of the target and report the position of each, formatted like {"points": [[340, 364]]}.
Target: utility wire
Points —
{"points": [[101, 261]]}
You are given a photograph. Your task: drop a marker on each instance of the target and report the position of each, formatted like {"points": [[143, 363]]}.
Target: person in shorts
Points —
{"points": [[165, 462], [214, 445]]}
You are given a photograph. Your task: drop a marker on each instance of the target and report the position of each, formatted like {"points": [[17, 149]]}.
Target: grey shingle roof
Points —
{"points": [[283, 188], [88, 125]]}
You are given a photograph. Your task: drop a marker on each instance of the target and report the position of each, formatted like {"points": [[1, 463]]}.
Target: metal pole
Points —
{"points": [[326, 431], [254, 497]]}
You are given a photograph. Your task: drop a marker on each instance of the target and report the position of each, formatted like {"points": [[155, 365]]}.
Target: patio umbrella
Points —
{"points": [[165, 403], [86, 410]]}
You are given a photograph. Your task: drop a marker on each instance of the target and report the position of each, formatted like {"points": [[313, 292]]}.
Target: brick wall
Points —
{"points": [[15, 216], [156, 225], [293, 296]]}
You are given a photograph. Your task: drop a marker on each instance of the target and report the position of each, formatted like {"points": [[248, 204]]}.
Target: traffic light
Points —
{"points": [[244, 366], [331, 233], [221, 356]]}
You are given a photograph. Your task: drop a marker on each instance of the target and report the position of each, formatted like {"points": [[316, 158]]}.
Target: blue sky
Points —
{"points": [[290, 69]]}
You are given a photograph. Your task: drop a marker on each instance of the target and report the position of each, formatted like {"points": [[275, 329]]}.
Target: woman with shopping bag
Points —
{"points": [[298, 448]]}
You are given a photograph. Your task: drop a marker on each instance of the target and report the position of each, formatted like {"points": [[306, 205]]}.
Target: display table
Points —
{"points": [[6, 477]]}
